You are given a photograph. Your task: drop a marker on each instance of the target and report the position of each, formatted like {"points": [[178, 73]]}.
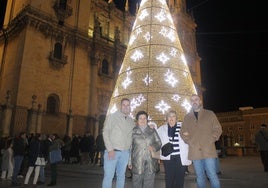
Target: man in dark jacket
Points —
{"points": [[100, 149], [19, 146]]}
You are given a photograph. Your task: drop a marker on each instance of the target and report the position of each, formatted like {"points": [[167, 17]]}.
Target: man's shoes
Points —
{"points": [[51, 184], [40, 183]]}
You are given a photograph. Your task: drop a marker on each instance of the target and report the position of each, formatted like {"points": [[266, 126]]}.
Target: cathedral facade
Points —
{"points": [[59, 61]]}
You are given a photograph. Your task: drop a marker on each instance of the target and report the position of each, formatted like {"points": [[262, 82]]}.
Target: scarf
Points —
{"points": [[171, 130]]}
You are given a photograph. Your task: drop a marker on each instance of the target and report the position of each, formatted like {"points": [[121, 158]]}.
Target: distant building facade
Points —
{"points": [[239, 129], [59, 60]]}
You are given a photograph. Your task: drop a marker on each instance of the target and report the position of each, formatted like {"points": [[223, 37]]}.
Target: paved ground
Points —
{"points": [[237, 172]]}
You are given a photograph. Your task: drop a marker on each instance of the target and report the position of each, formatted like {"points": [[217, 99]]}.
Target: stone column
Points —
{"points": [[70, 121], [32, 117], [39, 119]]}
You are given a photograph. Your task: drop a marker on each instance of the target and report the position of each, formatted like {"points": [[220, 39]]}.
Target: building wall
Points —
{"points": [[239, 129], [90, 32]]}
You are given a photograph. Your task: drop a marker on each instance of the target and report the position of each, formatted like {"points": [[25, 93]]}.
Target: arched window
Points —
{"points": [[53, 102], [58, 50], [105, 67]]}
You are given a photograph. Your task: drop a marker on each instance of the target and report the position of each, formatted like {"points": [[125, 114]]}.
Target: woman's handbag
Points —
{"points": [[155, 154], [167, 149], [40, 161], [55, 156]]}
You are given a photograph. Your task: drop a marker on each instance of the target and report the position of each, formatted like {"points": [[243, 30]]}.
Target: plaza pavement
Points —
{"points": [[237, 172]]}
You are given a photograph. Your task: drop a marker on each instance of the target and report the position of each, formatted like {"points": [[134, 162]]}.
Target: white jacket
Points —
{"points": [[163, 134]]}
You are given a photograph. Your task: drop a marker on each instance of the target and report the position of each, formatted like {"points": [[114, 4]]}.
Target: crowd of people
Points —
{"points": [[19, 155], [128, 144]]}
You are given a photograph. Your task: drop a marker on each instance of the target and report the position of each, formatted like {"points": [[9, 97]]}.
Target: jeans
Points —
{"points": [[118, 165], [17, 164], [42, 174], [203, 168]]}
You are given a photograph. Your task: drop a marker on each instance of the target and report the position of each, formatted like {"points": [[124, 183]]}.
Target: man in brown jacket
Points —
{"points": [[200, 129]]}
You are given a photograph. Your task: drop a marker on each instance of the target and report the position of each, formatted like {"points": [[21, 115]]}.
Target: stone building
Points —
{"points": [[59, 60], [239, 129]]}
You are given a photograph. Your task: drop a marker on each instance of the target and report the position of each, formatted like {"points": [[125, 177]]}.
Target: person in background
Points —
{"points": [[175, 163], [19, 147], [36, 149], [92, 148], [144, 140], [100, 149], [42, 176], [54, 143], [218, 150], [7, 160], [261, 139], [74, 153], [84, 146], [117, 134], [66, 149], [200, 129]]}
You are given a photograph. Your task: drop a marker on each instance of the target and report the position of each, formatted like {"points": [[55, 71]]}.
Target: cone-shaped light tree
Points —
{"points": [[154, 74]]}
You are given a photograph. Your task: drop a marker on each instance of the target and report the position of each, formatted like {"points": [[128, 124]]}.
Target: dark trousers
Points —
{"points": [[264, 160], [53, 170], [18, 159], [174, 172]]}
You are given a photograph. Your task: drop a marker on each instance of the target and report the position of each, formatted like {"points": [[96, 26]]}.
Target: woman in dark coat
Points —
{"points": [[36, 149]]}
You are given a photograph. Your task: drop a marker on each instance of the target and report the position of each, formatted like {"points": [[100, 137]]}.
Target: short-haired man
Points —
{"points": [[117, 134], [200, 129]]}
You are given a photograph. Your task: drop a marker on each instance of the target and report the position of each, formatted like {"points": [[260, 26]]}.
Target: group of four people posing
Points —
{"points": [[130, 145]]}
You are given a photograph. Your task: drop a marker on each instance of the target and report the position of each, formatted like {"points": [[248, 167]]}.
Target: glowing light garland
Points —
{"points": [[154, 74]]}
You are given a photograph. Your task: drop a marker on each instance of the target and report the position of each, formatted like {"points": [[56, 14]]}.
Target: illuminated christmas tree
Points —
{"points": [[154, 74]]}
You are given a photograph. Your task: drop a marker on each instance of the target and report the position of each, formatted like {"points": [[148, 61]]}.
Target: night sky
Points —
{"points": [[232, 43], [232, 40]]}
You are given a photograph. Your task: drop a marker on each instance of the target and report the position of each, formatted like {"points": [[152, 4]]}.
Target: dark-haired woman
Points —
{"points": [[144, 140]]}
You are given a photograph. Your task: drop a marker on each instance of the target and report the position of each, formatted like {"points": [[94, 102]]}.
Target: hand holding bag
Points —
{"points": [[167, 149], [155, 154]]}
